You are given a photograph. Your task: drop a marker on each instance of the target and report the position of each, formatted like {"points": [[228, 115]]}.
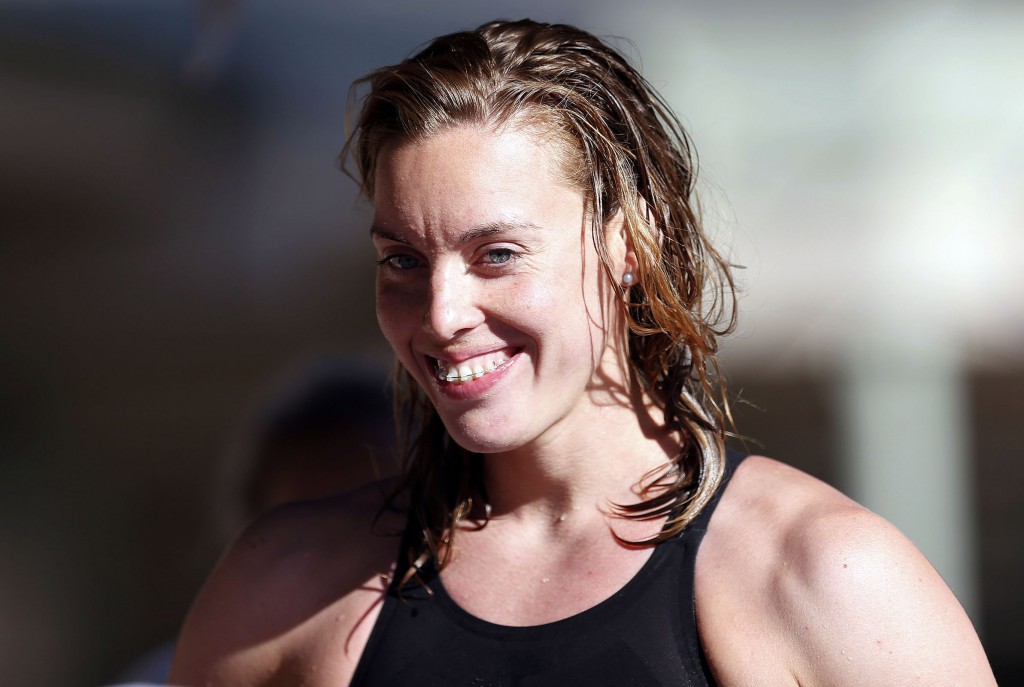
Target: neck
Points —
{"points": [[580, 467]]}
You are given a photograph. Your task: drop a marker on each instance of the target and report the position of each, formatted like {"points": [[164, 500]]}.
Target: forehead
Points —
{"points": [[471, 174], [472, 148]]}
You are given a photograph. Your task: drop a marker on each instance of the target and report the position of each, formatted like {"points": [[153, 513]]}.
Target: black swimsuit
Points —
{"points": [[644, 635]]}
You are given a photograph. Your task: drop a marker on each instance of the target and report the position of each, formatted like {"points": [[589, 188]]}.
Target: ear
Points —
{"points": [[621, 255]]}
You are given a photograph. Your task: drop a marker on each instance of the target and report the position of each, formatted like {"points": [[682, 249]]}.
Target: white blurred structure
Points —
{"points": [[872, 160]]}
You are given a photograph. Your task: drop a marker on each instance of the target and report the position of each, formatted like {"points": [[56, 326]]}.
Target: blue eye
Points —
{"points": [[400, 262], [499, 256]]}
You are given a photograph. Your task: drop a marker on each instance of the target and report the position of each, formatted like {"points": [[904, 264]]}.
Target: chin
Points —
{"points": [[484, 439], [478, 444]]}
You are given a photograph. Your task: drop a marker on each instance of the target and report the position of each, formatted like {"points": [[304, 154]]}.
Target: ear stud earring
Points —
{"points": [[627, 279]]}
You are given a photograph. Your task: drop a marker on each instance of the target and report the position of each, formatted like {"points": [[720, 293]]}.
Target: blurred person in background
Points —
{"points": [[330, 430], [567, 511], [326, 430]]}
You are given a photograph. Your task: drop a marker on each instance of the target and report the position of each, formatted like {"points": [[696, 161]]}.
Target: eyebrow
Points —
{"points": [[474, 234]]}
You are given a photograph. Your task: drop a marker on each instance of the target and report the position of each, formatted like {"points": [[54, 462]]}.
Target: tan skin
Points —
{"points": [[486, 253]]}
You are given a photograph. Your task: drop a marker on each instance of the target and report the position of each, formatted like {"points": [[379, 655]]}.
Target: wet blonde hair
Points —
{"points": [[623, 147]]}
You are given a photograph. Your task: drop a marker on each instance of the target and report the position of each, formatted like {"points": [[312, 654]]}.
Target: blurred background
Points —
{"points": [[178, 242]]}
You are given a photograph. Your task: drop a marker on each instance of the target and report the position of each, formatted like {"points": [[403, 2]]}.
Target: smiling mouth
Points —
{"points": [[470, 369]]}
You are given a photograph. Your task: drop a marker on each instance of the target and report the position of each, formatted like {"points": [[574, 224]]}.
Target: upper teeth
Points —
{"points": [[470, 369]]}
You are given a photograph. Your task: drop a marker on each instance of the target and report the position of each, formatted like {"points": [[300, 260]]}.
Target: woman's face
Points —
{"points": [[490, 289]]}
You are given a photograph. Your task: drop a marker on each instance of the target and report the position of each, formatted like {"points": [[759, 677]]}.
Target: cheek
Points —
{"points": [[395, 315], [561, 311], [535, 302]]}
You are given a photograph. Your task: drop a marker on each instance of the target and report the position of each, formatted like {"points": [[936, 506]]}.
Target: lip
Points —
{"points": [[476, 387]]}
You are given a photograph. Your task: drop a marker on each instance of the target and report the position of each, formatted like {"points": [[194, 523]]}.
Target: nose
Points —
{"points": [[453, 305]]}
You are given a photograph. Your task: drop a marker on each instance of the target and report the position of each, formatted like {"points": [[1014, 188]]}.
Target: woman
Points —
{"points": [[568, 512]]}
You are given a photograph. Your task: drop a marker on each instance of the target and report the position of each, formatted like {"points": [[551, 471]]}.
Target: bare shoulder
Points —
{"points": [[304, 580], [798, 584]]}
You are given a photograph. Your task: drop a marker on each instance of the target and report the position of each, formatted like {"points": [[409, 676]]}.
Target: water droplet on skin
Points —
{"points": [[545, 579]]}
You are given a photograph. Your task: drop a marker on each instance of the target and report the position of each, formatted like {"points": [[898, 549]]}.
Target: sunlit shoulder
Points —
{"points": [[798, 584], [306, 578]]}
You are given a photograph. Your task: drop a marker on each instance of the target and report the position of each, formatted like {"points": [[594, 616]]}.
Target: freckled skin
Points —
{"points": [[548, 299], [870, 609]]}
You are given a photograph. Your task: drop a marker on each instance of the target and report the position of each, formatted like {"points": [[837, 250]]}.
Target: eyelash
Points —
{"points": [[509, 255], [389, 261], [512, 255]]}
